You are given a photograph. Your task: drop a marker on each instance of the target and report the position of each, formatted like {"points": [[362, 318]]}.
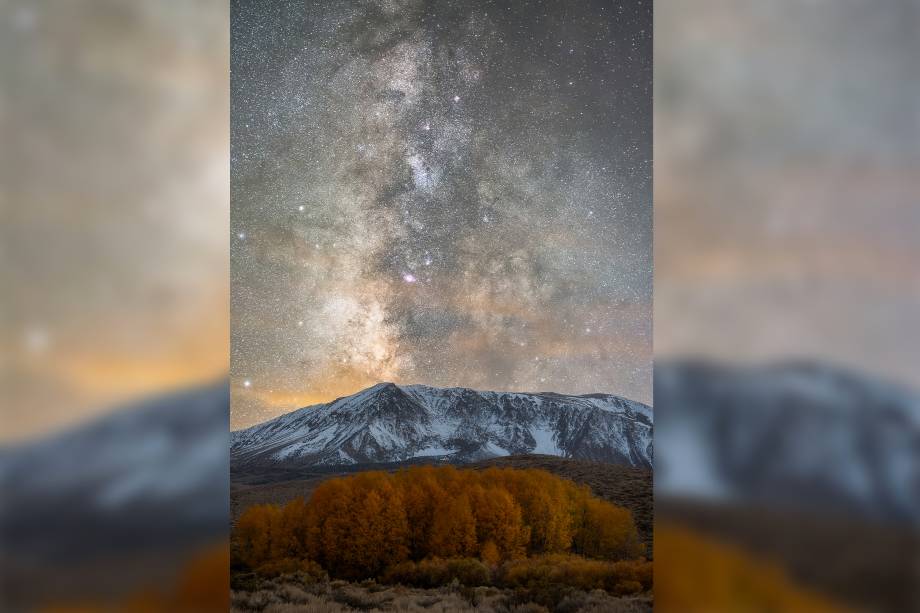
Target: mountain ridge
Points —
{"points": [[388, 422]]}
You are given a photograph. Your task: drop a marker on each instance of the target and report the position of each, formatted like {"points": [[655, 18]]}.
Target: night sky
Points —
{"points": [[448, 193]]}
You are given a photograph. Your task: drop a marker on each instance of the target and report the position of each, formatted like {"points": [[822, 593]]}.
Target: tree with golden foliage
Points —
{"points": [[490, 554], [545, 501], [360, 526], [453, 531], [499, 522], [420, 489], [253, 534], [605, 532], [290, 540]]}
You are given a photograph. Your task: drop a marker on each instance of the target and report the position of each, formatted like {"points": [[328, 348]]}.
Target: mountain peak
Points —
{"points": [[383, 385]]}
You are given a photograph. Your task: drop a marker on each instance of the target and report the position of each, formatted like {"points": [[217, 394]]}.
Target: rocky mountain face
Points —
{"points": [[391, 423], [797, 434]]}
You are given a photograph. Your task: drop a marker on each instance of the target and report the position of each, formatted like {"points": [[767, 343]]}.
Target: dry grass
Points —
{"points": [[287, 595]]}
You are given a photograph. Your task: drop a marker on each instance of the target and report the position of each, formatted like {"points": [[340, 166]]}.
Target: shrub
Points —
{"points": [[529, 607], [626, 587], [469, 572], [577, 572], [436, 572], [305, 570]]}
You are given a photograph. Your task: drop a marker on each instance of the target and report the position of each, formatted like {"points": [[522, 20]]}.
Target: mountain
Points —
{"points": [[153, 473], [115, 504], [796, 434], [392, 423]]}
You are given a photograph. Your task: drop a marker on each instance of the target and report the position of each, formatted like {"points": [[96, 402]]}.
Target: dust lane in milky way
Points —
{"points": [[449, 193]]}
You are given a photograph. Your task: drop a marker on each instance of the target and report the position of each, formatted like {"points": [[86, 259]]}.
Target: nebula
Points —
{"points": [[448, 193]]}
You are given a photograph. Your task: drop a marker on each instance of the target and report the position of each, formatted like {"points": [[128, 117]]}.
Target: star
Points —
{"points": [[476, 254]]}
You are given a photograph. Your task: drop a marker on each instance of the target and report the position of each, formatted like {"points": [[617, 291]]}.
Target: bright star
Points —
{"points": [[247, 383], [409, 278]]}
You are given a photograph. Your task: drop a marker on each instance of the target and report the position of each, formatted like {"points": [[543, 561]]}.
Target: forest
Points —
{"points": [[429, 526]]}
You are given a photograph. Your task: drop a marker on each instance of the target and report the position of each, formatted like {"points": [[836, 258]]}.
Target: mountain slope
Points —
{"points": [[391, 423]]}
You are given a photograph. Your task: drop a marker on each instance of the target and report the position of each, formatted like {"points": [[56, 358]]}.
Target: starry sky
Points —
{"points": [[444, 192], [115, 206]]}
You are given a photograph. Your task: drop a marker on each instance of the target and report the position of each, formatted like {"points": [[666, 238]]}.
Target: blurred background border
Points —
{"points": [[787, 292]]}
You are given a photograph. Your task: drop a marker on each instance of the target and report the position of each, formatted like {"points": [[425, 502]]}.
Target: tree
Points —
{"points": [[361, 526], [607, 531], [490, 554], [421, 494], [253, 534], [290, 531], [499, 522], [453, 532]]}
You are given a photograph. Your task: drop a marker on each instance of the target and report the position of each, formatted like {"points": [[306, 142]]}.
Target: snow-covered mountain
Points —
{"points": [[149, 476], [392, 423], [795, 434]]}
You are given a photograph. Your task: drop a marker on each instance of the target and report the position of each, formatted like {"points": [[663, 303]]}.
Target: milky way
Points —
{"points": [[450, 193]]}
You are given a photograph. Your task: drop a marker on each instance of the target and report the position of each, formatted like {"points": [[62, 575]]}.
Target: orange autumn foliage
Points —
{"points": [[453, 531], [604, 532], [357, 526], [201, 587], [696, 574], [623, 577], [360, 526], [499, 524], [545, 573], [254, 532]]}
